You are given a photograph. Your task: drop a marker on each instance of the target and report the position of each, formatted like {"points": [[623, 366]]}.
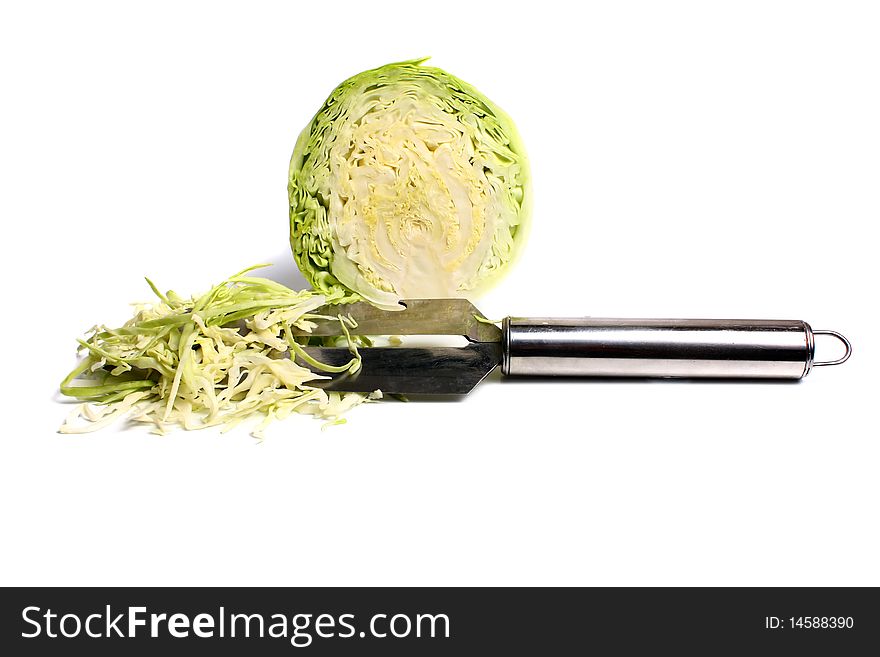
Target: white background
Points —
{"points": [[689, 159]]}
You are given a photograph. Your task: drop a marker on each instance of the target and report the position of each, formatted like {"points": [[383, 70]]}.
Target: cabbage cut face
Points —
{"points": [[408, 183]]}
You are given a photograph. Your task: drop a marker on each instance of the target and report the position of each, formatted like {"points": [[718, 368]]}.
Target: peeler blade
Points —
{"points": [[411, 371], [416, 317]]}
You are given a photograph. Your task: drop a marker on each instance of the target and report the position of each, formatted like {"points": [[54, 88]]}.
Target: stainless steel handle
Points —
{"points": [[702, 348]]}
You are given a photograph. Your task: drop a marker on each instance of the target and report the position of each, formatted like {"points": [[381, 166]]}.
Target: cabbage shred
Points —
{"points": [[214, 360]]}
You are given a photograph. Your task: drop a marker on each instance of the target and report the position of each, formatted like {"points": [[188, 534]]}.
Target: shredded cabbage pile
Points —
{"points": [[218, 359]]}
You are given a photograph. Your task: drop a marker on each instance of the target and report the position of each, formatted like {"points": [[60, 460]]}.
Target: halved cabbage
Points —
{"points": [[408, 183]]}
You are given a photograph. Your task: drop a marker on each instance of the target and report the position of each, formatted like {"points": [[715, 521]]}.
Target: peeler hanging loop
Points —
{"points": [[846, 343]]}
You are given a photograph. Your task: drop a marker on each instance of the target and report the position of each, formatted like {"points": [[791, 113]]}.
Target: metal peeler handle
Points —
{"points": [[671, 348]]}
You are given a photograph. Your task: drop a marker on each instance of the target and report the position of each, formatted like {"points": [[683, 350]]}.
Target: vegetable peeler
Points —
{"points": [[568, 347]]}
